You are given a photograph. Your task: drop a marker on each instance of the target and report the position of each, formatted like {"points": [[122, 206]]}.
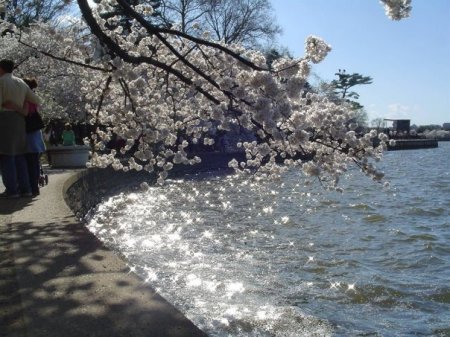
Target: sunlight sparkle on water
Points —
{"points": [[261, 315], [151, 276], [268, 210], [193, 281], [334, 285], [233, 313], [211, 286], [207, 234], [234, 288], [172, 264], [147, 243], [226, 204], [130, 242]]}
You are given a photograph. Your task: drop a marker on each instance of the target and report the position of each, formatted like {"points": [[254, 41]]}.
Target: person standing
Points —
{"points": [[35, 145], [68, 136], [13, 93]]}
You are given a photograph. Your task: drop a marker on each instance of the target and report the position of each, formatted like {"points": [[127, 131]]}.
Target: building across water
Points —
{"points": [[405, 139]]}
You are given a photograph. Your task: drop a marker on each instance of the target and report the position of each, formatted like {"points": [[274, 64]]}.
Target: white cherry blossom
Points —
{"points": [[161, 91]]}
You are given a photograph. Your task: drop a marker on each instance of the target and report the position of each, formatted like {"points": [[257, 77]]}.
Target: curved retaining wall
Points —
{"points": [[87, 188]]}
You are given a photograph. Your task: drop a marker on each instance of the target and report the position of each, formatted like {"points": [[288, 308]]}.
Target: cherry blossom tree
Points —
{"points": [[59, 77], [161, 90], [24, 12]]}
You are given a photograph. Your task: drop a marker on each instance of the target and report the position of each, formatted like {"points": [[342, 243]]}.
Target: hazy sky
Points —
{"points": [[409, 60]]}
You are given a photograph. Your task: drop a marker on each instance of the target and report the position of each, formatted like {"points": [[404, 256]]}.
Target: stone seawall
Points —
{"points": [[87, 188], [413, 144]]}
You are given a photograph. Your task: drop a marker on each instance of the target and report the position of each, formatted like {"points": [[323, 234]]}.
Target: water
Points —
{"points": [[278, 258]]}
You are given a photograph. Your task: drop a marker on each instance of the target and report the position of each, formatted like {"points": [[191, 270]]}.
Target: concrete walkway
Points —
{"points": [[58, 280]]}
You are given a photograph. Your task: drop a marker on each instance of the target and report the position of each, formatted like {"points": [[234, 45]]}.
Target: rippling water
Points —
{"points": [[245, 258]]}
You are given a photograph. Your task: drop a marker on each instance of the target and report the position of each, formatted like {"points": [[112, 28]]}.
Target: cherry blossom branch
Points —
{"points": [[63, 59], [102, 97], [157, 30], [114, 48]]}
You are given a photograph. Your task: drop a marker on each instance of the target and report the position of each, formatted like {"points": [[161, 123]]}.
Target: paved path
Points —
{"points": [[58, 280]]}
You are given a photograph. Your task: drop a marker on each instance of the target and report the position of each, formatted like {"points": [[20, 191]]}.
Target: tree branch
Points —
{"points": [[158, 30], [115, 49]]}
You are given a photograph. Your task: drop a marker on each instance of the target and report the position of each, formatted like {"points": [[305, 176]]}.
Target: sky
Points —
{"points": [[409, 60]]}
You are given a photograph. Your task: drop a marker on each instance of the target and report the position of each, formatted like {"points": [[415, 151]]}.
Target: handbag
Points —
{"points": [[33, 122]]}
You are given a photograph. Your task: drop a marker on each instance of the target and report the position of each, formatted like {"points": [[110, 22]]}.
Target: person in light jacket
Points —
{"points": [[13, 93]]}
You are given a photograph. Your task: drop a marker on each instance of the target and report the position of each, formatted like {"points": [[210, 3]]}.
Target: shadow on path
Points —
{"points": [[9, 206], [57, 279]]}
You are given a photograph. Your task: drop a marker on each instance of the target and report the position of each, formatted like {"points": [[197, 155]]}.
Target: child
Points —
{"points": [[68, 136]]}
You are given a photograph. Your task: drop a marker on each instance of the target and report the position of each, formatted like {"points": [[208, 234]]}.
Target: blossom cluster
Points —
{"points": [[316, 49], [397, 9]]}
